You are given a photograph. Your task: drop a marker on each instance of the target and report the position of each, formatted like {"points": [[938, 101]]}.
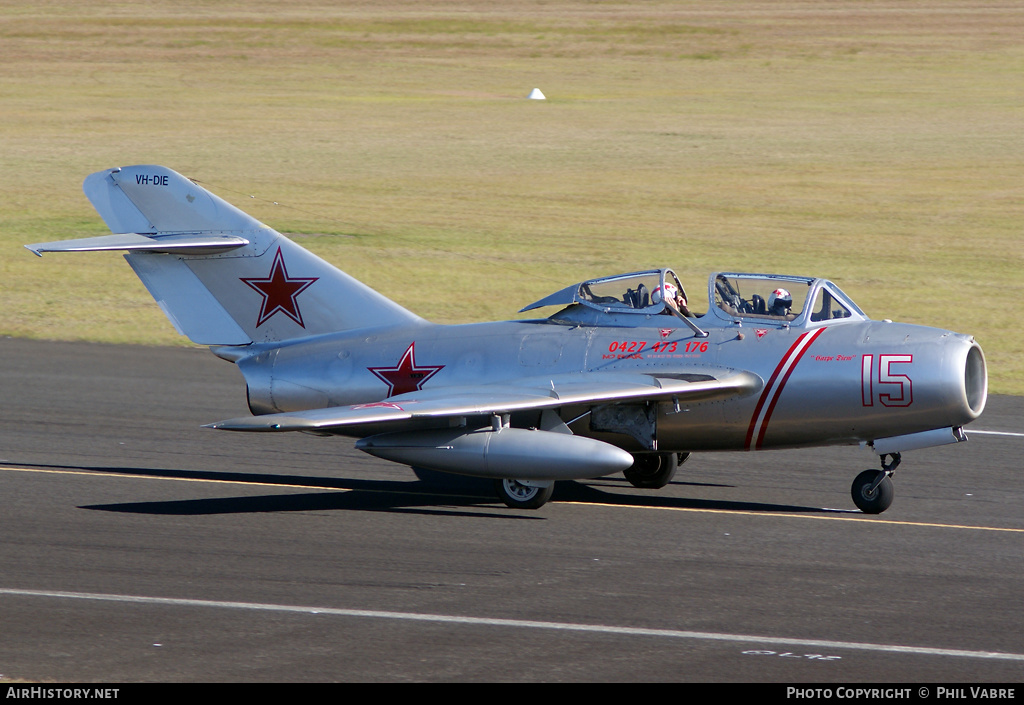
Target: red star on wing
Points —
{"points": [[406, 376], [379, 405], [279, 291]]}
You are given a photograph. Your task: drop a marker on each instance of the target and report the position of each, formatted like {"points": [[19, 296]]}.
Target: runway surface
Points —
{"points": [[137, 546]]}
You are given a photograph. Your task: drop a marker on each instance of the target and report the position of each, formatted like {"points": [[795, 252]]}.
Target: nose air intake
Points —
{"points": [[975, 380]]}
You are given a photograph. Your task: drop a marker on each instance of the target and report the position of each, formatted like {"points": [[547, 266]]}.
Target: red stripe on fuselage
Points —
{"points": [[767, 390], [772, 390], [778, 392]]}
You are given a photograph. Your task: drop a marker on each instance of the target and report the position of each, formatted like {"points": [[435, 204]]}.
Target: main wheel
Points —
{"points": [[652, 471], [872, 501], [517, 495]]}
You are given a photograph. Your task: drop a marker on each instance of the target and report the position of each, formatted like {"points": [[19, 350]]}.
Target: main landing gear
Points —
{"points": [[872, 490], [524, 494], [652, 471]]}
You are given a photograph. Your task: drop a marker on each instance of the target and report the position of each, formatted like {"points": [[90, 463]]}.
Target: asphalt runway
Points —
{"points": [[137, 546]]}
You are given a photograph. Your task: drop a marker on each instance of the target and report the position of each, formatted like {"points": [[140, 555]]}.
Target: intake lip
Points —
{"points": [[975, 380]]}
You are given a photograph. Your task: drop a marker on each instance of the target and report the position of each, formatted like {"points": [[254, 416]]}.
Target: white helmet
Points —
{"points": [[779, 298], [667, 293]]}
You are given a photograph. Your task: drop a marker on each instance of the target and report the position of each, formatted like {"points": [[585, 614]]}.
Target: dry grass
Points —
{"points": [[875, 143]]}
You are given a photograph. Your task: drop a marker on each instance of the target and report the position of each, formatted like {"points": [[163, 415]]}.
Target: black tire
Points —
{"points": [[876, 501], [652, 471], [516, 495]]}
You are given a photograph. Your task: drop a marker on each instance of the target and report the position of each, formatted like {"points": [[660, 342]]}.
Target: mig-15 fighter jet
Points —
{"points": [[627, 375]]}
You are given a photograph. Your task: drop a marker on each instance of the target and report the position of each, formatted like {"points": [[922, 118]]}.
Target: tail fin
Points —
{"points": [[221, 276]]}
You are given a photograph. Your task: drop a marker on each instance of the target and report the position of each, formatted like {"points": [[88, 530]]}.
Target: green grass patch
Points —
{"points": [[878, 146]]}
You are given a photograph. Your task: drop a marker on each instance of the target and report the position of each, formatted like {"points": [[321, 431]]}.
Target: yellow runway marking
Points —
{"points": [[729, 512], [864, 519], [137, 476]]}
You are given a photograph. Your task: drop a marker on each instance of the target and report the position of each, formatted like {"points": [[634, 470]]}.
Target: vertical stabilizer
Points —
{"points": [[221, 276]]}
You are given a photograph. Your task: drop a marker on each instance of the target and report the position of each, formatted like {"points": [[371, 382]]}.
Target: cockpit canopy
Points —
{"points": [[733, 297], [776, 298], [637, 292]]}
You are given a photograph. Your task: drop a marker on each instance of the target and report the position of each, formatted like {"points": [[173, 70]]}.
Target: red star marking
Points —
{"points": [[378, 405], [666, 332], [761, 332], [406, 376], [279, 291]]}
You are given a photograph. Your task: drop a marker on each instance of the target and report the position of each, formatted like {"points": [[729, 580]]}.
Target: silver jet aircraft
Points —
{"points": [[622, 377]]}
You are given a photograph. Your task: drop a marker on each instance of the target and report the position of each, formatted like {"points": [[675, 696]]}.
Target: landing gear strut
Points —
{"points": [[872, 490]]}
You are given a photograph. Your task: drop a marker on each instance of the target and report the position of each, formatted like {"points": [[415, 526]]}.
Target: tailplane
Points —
{"points": [[221, 276]]}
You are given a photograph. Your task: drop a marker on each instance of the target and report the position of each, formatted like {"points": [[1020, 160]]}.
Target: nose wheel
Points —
{"points": [[872, 490]]}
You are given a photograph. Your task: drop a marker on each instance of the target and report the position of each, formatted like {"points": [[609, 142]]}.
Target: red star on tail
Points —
{"points": [[279, 291]]}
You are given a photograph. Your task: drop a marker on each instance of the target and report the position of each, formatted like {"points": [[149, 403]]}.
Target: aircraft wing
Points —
{"points": [[536, 393]]}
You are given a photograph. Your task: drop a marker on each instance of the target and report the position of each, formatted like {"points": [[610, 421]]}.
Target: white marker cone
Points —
{"points": [[535, 94]]}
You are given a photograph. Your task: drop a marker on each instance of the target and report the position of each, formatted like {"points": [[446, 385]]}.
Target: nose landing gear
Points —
{"points": [[872, 490]]}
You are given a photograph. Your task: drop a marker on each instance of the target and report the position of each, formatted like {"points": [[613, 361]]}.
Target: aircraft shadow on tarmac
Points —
{"points": [[435, 495]]}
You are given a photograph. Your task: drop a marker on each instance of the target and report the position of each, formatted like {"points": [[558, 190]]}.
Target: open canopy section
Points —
{"points": [[646, 292]]}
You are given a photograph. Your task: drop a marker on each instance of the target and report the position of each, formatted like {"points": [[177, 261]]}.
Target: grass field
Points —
{"points": [[877, 143]]}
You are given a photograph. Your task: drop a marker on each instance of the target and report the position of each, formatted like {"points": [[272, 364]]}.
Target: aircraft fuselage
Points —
{"points": [[840, 383]]}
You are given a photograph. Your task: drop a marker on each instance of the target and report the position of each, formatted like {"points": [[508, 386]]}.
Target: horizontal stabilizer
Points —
{"points": [[535, 394], [179, 244]]}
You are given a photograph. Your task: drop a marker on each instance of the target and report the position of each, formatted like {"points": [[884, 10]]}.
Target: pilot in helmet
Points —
{"points": [[666, 293], [779, 302], [671, 296]]}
